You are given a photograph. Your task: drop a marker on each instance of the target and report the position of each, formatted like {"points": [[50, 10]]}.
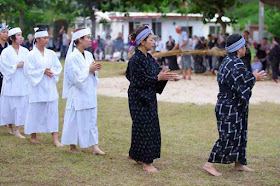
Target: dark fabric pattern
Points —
{"points": [[235, 83], [198, 59], [1, 75], [142, 73]]}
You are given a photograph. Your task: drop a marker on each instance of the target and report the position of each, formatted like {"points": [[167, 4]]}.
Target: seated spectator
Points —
{"points": [[257, 64], [116, 55], [98, 54]]}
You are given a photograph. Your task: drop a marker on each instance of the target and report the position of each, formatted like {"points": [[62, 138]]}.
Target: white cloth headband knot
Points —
{"points": [[43, 33], [236, 46], [143, 34], [14, 31]]}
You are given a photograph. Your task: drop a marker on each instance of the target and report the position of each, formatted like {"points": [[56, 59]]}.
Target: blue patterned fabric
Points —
{"points": [[142, 73], [235, 84]]}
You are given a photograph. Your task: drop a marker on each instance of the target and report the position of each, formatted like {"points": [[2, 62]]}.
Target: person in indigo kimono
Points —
{"points": [[146, 79], [235, 83]]}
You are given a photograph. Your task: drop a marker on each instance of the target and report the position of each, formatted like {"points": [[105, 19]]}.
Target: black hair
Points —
{"points": [[232, 39], [247, 32], [11, 38]]}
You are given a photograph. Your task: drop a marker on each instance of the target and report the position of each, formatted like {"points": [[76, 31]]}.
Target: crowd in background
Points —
{"points": [[266, 57]]}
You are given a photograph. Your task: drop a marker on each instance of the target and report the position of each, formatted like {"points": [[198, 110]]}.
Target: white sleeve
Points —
{"points": [[56, 69], [7, 69], [34, 75], [75, 74]]}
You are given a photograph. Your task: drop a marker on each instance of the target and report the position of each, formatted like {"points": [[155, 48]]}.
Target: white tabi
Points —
{"points": [[42, 115], [15, 88], [79, 87]]}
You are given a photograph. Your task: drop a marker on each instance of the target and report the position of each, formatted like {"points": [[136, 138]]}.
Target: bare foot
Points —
{"points": [[17, 134], [97, 151], [11, 131], [129, 158], [209, 167], [75, 151], [189, 78], [149, 168], [184, 78], [58, 144], [239, 167], [35, 140]]}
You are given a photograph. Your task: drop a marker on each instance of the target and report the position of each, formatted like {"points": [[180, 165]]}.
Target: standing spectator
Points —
{"points": [[119, 44], [57, 44], [51, 42], [159, 48], [262, 50], [183, 44], [172, 60], [64, 44], [221, 44], [247, 58], [211, 44], [29, 42], [108, 48], [198, 59], [100, 43], [274, 57]]}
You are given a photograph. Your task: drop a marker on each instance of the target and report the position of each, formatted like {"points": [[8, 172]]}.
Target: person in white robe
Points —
{"points": [[79, 87], [15, 88], [43, 70]]}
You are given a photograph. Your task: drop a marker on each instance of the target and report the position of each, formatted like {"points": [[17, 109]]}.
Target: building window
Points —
{"points": [[188, 29], [156, 26], [214, 29]]}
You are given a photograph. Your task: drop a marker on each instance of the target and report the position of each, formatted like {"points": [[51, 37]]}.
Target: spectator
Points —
{"points": [[256, 65], [108, 48], [116, 55], [50, 44], [63, 47], [221, 44], [172, 60], [123, 55], [262, 50], [274, 57], [183, 44], [119, 44], [211, 44], [159, 47], [247, 58], [29, 42], [57, 44], [131, 51], [198, 59]]}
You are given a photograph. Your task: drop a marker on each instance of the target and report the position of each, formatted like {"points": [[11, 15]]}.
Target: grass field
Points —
{"points": [[188, 134]]}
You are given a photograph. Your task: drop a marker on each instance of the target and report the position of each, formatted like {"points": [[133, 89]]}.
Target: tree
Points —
{"points": [[272, 19], [209, 8]]}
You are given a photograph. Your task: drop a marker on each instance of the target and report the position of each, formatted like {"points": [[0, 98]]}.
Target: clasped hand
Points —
{"points": [[165, 74], [95, 67], [48, 72], [20, 64], [259, 75]]}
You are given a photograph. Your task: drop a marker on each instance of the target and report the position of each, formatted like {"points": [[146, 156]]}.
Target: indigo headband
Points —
{"points": [[236, 46], [143, 34]]}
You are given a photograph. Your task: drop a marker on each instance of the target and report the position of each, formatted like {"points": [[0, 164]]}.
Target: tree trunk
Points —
{"points": [[92, 18], [223, 25], [21, 20]]}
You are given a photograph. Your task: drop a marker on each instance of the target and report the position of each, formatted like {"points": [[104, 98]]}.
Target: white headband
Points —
{"points": [[40, 33], [14, 31], [75, 36]]}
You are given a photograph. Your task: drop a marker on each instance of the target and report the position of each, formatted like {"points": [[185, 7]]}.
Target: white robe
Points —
{"points": [[42, 115], [15, 87], [80, 89]]}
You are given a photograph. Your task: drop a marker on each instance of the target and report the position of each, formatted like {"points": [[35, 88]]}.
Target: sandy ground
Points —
{"points": [[200, 90]]}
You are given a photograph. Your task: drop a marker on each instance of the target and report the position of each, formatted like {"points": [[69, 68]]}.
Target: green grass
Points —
{"points": [[188, 135]]}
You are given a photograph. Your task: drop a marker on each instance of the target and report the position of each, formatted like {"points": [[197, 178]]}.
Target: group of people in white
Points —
{"points": [[29, 95]]}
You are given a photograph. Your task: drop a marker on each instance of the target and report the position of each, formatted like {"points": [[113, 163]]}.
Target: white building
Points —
{"points": [[163, 25]]}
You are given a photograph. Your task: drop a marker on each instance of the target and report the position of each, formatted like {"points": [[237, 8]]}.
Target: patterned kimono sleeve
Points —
{"points": [[140, 74], [243, 81]]}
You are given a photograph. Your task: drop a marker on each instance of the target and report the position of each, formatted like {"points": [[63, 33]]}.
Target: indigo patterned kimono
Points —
{"points": [[235, 84], [142, 73]]}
